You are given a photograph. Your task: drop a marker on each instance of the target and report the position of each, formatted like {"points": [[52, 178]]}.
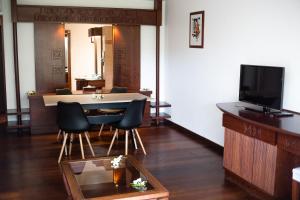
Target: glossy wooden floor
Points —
{"points": [[189, 168]]}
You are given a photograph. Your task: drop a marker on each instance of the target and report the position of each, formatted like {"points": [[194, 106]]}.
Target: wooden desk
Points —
{"points": [[260, 151], [43, 108]]}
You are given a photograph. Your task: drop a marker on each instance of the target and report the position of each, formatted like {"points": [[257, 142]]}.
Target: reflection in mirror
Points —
{"points": [[68, 58], [89, 60], [97, 36]]}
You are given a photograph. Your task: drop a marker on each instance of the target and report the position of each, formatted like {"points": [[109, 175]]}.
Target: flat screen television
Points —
{"points": [[262, 85]]}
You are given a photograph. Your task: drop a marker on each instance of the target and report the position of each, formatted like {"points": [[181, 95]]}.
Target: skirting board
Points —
{"points": [[211, 145]]}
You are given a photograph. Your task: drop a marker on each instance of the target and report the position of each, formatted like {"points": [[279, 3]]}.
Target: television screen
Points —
{"points": [[262, 85]]}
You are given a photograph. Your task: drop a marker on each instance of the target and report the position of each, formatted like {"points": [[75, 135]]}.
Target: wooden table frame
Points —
{"points": [[159, 192]]}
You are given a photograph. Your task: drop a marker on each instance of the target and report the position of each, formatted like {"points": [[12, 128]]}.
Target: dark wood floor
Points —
{"points": [[189, 168]]}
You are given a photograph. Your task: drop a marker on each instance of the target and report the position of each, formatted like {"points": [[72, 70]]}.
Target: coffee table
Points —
{"points": [[97, 179]]}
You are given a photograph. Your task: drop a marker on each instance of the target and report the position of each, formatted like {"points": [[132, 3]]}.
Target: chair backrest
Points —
{"points": [[133, 116], [119, 90], [63, 91], [71, 117]]}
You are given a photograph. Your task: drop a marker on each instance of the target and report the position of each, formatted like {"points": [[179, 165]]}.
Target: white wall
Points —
{"points": [[8, 54], [26, 44], [26, 60], [148, 57], [250, 31]]}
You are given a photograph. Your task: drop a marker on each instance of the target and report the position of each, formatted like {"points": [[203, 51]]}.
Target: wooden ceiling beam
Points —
{"points": [[34, 13]]}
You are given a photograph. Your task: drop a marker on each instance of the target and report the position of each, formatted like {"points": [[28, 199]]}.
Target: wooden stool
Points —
{"points": [[296, 184]]}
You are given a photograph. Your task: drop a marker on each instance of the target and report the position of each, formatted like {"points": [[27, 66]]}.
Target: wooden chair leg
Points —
{"points": [[101, 129], [126, 142], [81, 147], [134, 140], [63, 147], [88, 141], [58, 135], [66, 148], [295, 190], [140, 141], [112, 142], [71, 142]]}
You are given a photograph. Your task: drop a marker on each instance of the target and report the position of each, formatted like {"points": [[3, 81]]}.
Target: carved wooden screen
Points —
{"points": [[127, 57], [49, 56]]}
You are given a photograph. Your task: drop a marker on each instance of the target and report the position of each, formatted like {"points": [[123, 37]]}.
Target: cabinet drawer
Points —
{"points": [[249, 129], [289, 143]]}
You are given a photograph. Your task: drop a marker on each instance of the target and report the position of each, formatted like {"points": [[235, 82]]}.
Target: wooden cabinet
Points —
{"points": [[260, 151]]}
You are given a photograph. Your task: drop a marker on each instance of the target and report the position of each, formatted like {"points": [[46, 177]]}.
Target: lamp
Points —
{"points": [[93, 32]]}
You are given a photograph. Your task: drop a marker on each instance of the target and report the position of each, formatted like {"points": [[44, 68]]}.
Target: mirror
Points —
{"points": [[88, 56]]}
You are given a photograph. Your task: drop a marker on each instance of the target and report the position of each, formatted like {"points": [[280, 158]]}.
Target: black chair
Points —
{"points": [[72, 120], [119, 90], [132, 119], [62, 91], [112, 111]]}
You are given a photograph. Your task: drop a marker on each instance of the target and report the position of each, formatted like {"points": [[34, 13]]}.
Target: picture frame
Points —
{"points": [[196, 37]]}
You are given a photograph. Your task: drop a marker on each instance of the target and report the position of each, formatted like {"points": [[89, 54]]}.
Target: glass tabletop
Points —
{"points": [[97, 178]]}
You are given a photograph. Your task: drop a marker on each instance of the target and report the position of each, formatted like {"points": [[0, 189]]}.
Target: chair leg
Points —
{"points": [[101, 129], [66, 148], [112, 141], [63, 147], [71, 142], [88, 141], [126, 142], [141, 143], [58, 134], [134, 140], [81, 147]]}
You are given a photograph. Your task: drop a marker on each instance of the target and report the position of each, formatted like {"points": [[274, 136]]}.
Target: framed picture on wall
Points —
{"points": [[197, 29]]}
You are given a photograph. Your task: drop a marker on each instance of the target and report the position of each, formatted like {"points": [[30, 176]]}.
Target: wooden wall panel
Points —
{"points": [[49, 57], [42, 119], [36, 13], [127, 57]]}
